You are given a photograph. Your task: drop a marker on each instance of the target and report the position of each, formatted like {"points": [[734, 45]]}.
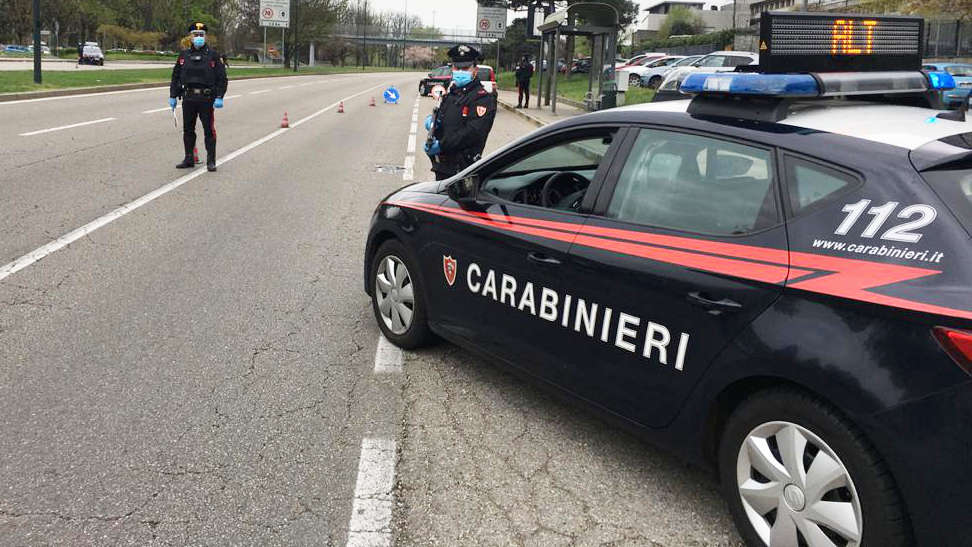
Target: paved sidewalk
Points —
{"points": [[539, 116]]}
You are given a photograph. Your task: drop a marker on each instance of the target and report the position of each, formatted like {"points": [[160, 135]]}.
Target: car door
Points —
{"points": [[685, 247], [495, 268]]}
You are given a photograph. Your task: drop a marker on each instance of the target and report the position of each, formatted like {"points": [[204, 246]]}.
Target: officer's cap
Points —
{"points": [[463, 55], [196, 27]]}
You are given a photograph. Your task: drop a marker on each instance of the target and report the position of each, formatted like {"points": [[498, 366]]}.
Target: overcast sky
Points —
{"points": [[450, 14]]}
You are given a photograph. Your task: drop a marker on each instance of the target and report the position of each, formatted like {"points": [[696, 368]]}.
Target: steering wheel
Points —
{"points": [[550, 196]]}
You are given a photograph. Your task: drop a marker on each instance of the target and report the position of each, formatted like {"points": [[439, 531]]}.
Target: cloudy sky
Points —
{"points": [[452, 14]]}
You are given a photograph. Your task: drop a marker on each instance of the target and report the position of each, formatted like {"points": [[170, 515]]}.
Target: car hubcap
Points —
{"points": [[795, 490], [395, 294]]}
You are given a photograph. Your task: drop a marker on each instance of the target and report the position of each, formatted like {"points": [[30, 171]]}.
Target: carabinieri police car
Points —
{"points": [[771, 278]]}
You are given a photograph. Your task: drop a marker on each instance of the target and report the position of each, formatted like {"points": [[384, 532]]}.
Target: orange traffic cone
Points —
{"points": [[372, 103], [195, 155], [284, 123], [341, 107]]}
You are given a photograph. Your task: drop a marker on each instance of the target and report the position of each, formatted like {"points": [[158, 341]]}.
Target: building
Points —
{"points": [[713, 19]]}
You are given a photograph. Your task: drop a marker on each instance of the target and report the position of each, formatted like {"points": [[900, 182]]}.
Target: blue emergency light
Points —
{"points": [[822, 84]]}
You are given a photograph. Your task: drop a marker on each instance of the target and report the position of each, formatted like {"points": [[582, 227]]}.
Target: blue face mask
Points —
{"points": [[462, 77], [199, 41]]}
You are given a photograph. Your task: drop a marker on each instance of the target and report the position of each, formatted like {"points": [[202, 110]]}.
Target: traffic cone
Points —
{"points": [[284, 123], [341, 107], [372, 103], [195, 155]]}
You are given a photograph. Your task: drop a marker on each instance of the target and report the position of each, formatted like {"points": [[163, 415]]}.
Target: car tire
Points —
{"points": [[763, 432], [634, 80], [423, 90], [654, 82], [394, 289]]}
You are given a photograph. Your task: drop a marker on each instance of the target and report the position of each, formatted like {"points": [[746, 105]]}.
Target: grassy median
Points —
{"points": [[18, 81], [576, 87]]}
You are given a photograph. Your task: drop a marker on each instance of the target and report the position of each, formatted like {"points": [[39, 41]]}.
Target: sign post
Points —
{"points": [[491, 24], [276, 14]]}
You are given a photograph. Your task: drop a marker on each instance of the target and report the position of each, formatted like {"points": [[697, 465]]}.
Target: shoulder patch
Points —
{"points": [[480, 111]]}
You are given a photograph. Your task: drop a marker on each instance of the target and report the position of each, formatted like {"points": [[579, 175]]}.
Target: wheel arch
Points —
{"points": [[376, 240]]}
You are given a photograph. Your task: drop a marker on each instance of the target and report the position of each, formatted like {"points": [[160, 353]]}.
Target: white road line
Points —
{"points": [[409, 173], [232, 97], [259, 91], [286, 86], [154, 110], [388, 357], [81, 95], [371, 512], [74, 235], [411, 144], [39, 131]]}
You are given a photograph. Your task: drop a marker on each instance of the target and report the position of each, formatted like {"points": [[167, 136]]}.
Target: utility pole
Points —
{"points": [[365, 37], [37, 44], [404, 33], [296, 30]]}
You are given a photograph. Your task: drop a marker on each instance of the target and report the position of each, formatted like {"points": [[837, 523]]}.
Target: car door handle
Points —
{"points": [[714, 306], [541, 258]]}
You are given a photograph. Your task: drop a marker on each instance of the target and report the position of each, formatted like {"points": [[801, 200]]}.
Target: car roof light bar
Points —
{"points": [[820, 84]]}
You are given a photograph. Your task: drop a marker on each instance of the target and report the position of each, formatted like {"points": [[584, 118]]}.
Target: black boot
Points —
{"points": [[187, 163], [210, 164]]}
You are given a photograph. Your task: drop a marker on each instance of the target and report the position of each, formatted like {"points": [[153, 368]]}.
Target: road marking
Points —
{"points": [[371, 512], [74, 235], [232, 97], [388, 357], [80, 95], [409, 173], [39, 131], [259, 91], [286, 87]]}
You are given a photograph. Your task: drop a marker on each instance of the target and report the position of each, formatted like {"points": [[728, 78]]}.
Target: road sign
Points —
{"points": [[490, 22], [275, 13]]}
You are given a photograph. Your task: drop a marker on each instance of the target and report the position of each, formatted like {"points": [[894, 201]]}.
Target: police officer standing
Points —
{"points": [[463, 119], [199, 77]]}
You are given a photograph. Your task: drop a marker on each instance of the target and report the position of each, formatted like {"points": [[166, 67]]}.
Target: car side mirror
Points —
{"points": [[465, 191]]}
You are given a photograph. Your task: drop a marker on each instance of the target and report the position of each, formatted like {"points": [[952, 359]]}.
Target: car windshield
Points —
{"points": [[959, 70], [686, 61], [955, 188]]}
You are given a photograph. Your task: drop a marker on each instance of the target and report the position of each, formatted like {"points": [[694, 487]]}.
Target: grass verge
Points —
{"points": [[576, 87], [18, 81]]}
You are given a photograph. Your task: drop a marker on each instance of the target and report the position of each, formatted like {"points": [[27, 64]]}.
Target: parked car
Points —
{"points": [[634, 73], [580, 66], [16, 49], [962, 74], [641, 60], [441, 75], [653, 77], [719, 61], [487, 76], [91, 54]]}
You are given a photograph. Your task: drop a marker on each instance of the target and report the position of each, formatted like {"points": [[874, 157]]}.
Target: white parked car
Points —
{"points": [[719, 61], [635, 73]]}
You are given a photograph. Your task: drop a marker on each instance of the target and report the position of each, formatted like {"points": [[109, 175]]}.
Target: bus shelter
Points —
{"points": [[598, 22]]}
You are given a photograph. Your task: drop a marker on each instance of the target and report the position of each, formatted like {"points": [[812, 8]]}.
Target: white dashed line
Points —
{"points": [[39, 131], [259, 91], [286, 86], [76, 234], [388, 357], [409, 173], [154, 110], [232, 97], [371, 513]]}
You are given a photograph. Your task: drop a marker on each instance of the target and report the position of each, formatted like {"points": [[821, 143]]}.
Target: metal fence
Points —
{"points": [[948, 39]]}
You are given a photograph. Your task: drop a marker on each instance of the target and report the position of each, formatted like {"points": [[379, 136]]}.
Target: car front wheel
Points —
{"points": [[796, 472], [397, 297], [634, 80]]}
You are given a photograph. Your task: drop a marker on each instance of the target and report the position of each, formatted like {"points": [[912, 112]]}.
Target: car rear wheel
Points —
{"points": [[654, 82], [423, 90], [634, 80], [796, 472], [397, 297]]}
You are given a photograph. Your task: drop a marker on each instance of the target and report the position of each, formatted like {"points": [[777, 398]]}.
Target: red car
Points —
{"points": [[441, 76]]}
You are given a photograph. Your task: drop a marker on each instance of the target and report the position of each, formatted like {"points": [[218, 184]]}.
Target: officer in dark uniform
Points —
{"points": [[199, 77], [462, 122]]}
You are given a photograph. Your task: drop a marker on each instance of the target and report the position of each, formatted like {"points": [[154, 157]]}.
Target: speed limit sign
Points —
{"points": [[275, 13]]}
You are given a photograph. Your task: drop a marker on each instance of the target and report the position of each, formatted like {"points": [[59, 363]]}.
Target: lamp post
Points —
{"points": [[37, 44]]}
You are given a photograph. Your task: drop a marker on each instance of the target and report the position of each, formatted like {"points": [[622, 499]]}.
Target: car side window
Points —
{"points": [[736, 60], [696, 184], [555, 176], [809, 182], [712, 60]]}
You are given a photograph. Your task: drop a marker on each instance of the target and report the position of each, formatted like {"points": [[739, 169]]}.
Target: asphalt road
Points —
{"points": [[205, 368], [68, 65]]}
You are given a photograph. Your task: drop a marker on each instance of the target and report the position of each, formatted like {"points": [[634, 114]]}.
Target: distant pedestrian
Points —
{"points": [[523, 74], [199, 77]]}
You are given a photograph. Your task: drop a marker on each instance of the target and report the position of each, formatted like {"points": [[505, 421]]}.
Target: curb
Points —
{"points": [[519, 112], [17, 96]]}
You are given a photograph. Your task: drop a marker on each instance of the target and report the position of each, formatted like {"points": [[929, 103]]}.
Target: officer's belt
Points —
{"points": [[205, 91]]}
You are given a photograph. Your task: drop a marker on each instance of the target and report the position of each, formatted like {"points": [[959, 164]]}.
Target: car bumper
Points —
{"points": [[928, 445]]}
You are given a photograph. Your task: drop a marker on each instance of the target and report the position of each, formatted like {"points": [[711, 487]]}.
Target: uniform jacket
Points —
{"points": [[524, 72], [465, 119], [201, 68]]}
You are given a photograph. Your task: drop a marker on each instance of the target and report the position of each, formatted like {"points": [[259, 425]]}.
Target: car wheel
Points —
{"points": [[397, 297], [796, 472], [634, 80], [423, 90], [654, 82]]}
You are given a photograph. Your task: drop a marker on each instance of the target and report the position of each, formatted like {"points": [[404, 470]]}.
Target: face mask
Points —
{"points": [[462, 77], [198, 41]]}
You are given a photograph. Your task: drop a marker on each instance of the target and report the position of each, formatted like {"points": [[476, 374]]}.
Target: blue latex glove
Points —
{"points": [[172, 102], [218, 103], [434, 149], [428, 122]]}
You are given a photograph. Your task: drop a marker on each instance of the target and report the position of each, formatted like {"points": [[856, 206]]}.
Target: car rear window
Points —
{"points": [[954, 186]]}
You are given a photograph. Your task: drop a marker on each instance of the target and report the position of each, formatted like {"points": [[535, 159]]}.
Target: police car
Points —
{"points": [[771, 278]]}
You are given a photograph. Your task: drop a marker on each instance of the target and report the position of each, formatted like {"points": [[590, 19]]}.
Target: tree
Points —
{"points": [[681, 20]]}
